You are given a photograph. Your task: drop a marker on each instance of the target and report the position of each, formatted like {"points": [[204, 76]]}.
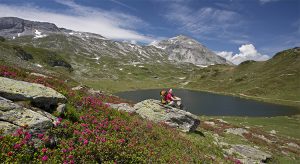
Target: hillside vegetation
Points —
{"points": [[275, 80], [89, 131]]}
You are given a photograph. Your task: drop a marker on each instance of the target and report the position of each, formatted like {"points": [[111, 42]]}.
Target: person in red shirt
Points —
{"points": [[172, 100]]}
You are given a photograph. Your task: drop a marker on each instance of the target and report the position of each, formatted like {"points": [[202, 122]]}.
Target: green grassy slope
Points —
{"points": [[130, 139], [277, 78]]}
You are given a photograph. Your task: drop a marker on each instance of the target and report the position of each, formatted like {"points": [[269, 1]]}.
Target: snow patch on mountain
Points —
{"points": [[156, 44], [183, 49], [39, 34]]}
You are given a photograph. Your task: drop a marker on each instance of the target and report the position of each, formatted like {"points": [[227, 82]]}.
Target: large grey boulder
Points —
{"points": [[39, 95], [153, 110], [13, 116]]}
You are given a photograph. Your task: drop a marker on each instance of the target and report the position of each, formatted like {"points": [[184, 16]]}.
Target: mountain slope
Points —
{"points": [[95, 45], [114, 66], [184, 49], [277, 78], [15, 27]]}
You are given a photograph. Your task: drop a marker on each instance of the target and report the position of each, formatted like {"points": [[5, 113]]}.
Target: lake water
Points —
{"points": [[203, 103]]}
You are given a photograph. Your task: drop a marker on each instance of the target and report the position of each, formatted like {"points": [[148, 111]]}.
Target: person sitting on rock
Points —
{"points": [[172, 100]]}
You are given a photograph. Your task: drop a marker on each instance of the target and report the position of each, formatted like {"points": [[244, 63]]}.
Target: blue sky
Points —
{"points": [[268, 26]]}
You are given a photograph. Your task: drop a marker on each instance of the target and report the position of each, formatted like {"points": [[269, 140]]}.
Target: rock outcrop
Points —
{"points": [[39, 95], [154, 111], [13, 116], [14, 27], [249, 154]]}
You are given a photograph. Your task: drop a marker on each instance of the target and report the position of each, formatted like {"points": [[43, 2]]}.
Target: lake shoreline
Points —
{"points": [[290, 103], [210, 104]]}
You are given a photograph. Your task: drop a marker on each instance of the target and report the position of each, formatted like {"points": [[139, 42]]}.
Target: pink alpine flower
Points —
{"points": [[85, 141], [44, 150], [122, 140], [44, 158], [27, 136], [59, 119], [10, 153], [17, 146], [103, 140], [18, 132], [40, 135], [103, 132]]}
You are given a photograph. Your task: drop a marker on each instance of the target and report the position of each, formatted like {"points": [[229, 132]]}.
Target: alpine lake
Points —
{"points": [[210, 104]]}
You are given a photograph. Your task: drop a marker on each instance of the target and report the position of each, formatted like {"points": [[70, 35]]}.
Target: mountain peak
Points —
{"points": [[181, 36], [185, 49], [13, 27]]}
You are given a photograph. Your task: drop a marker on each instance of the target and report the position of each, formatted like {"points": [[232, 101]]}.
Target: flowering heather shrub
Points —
{"points": [[7, 72], [20, 74], [12, 72], [101, 134], [91, 132]]}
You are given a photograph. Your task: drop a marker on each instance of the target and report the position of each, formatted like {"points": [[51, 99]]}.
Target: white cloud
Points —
{"points": [[247, 52], [207, 22], [111, 24], [204, 20]]}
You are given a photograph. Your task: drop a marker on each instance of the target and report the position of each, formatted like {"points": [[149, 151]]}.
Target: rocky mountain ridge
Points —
{"points": [[12, 27], [180, 49], [184, 49]]}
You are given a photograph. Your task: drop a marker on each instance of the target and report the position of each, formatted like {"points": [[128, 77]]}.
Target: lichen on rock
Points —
{"points": [[153, 110], [39, 95]]}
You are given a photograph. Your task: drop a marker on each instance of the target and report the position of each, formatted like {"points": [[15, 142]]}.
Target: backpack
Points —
{"points": [[163, 94]]}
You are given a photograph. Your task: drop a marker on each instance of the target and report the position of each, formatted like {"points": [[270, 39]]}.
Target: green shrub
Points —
{"points": [[72, 113]]}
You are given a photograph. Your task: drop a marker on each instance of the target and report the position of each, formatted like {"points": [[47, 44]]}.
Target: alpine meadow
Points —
{"points": [[150, 81]]}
